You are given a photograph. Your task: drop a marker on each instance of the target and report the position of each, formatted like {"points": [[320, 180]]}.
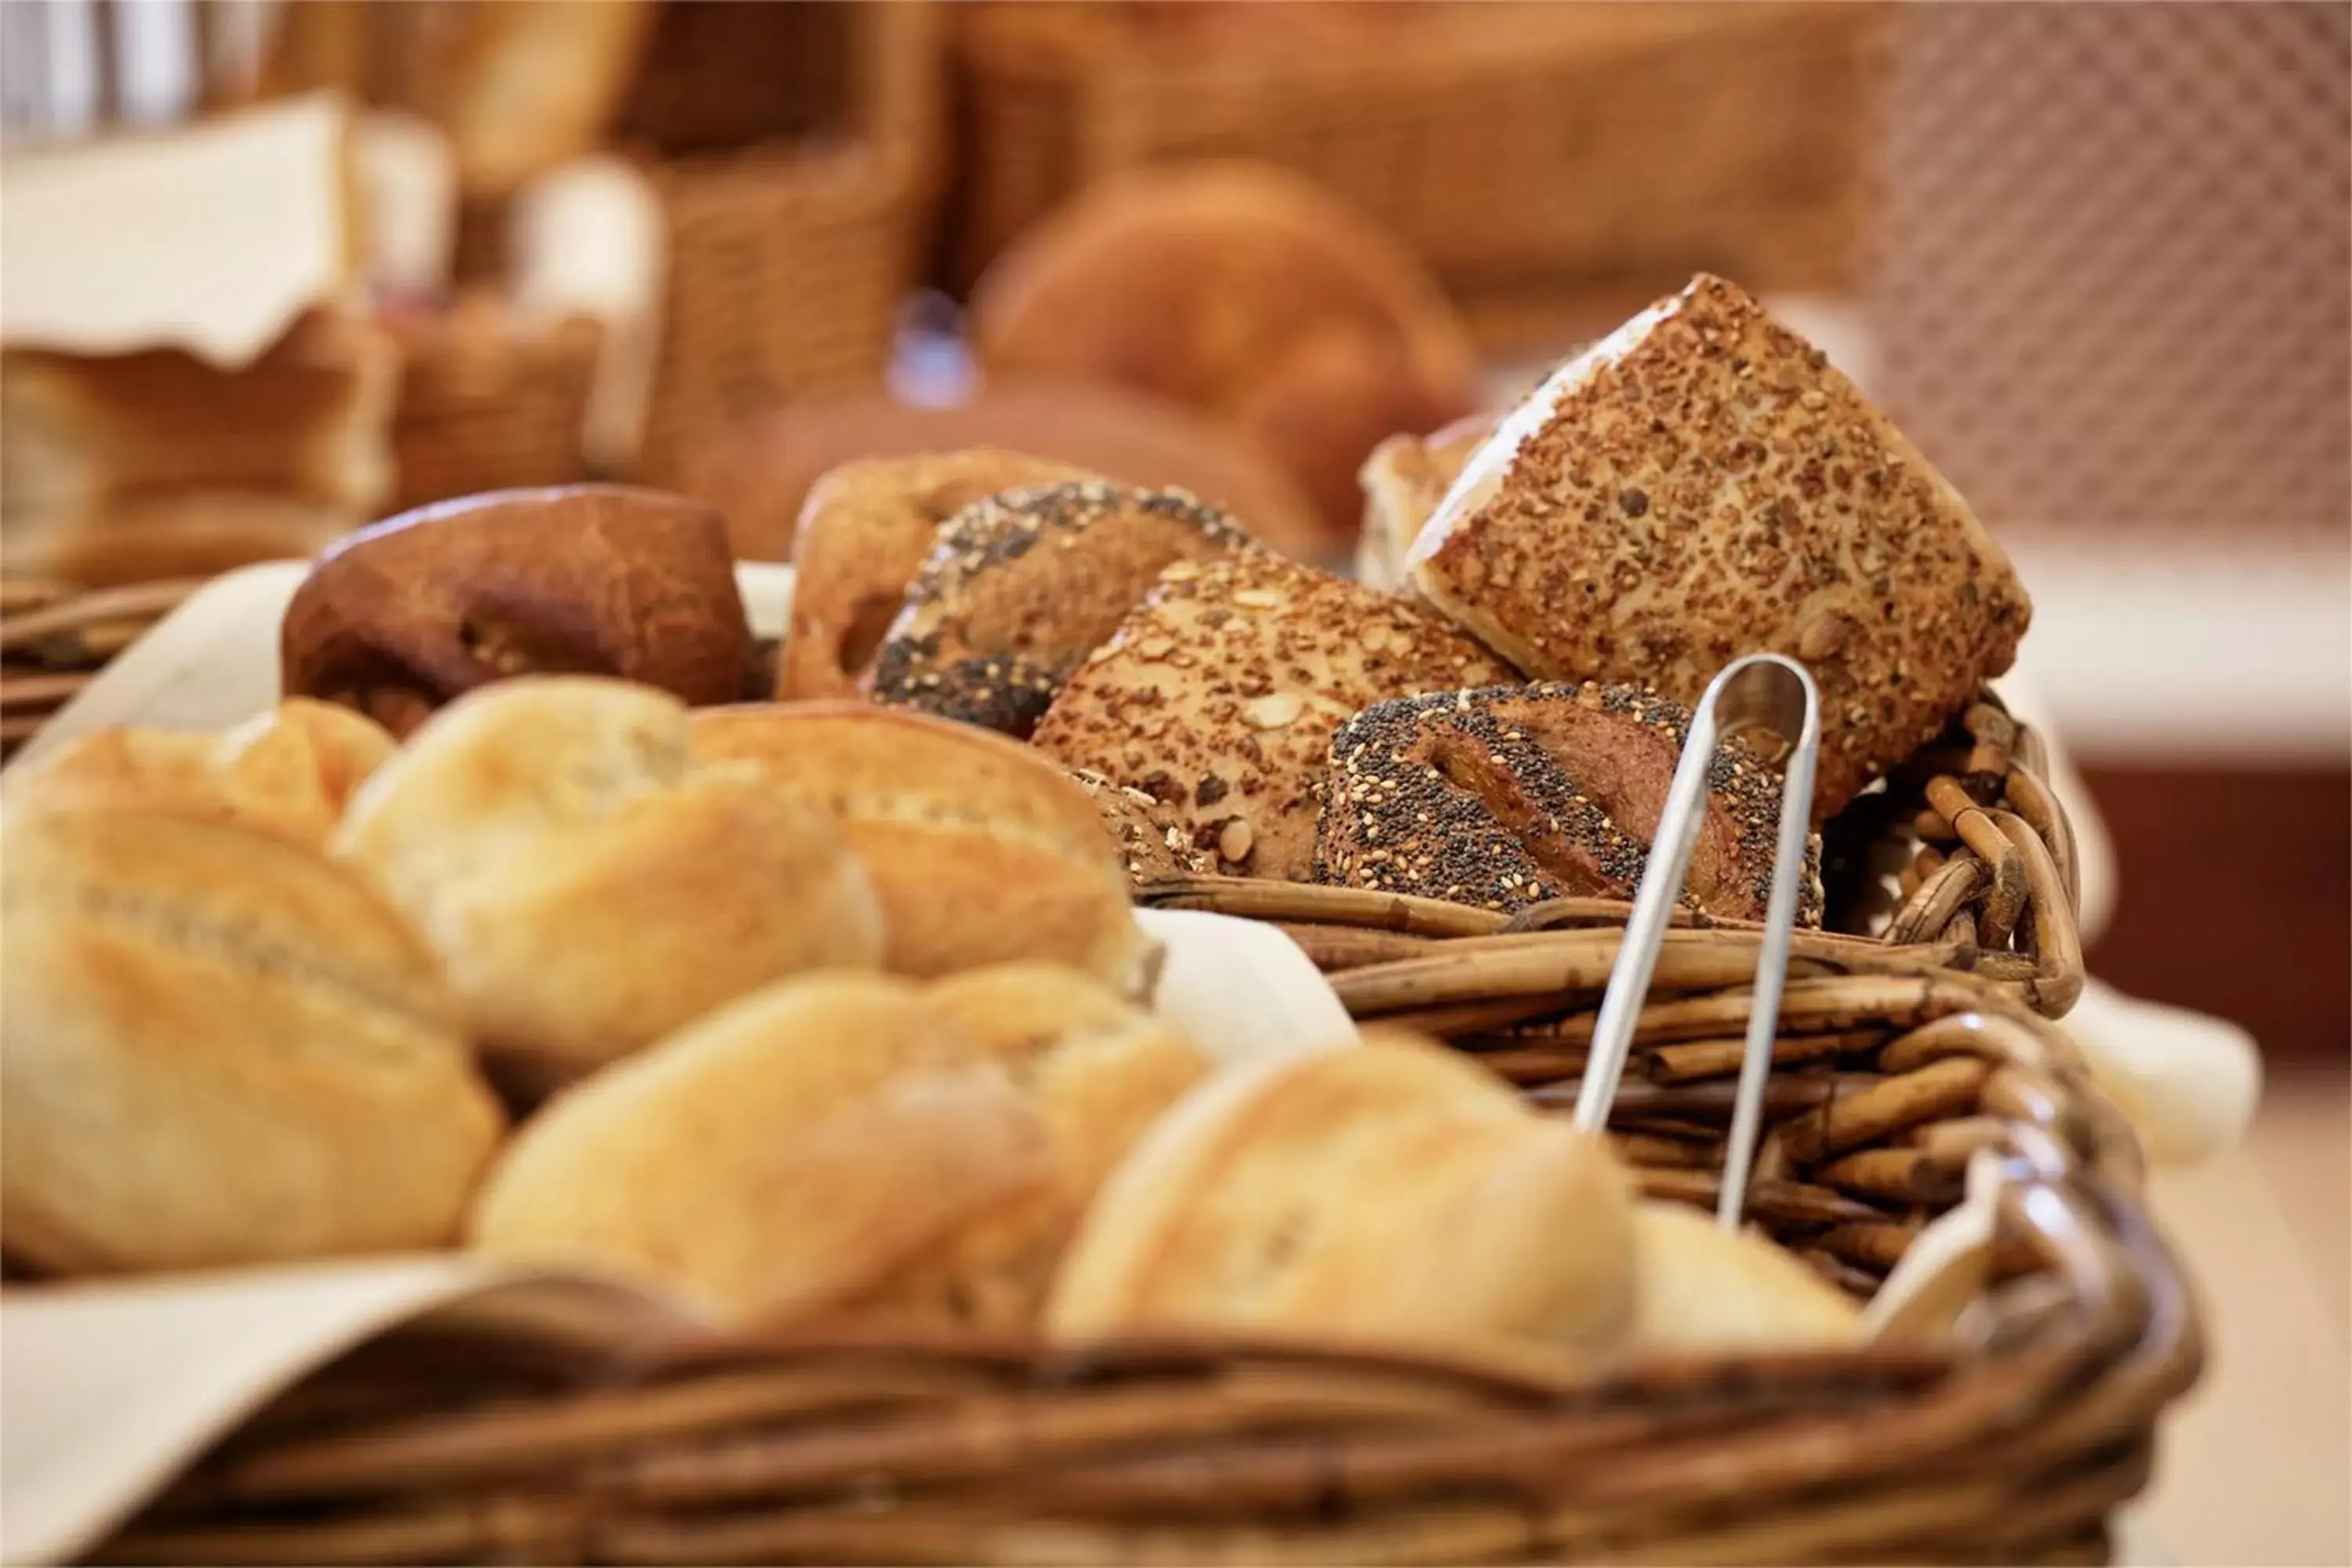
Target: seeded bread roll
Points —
{"points": [[1403, 480], [289, 770], [1021, 587], [865, 530], [1510, 796], [1154, 846], [1703, 484], [1393, 1191], [1219, 695], [980, 850], [590, 884], [222, 1048]]}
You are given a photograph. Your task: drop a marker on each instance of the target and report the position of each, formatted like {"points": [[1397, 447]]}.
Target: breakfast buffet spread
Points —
{"points": [[553, 916]]}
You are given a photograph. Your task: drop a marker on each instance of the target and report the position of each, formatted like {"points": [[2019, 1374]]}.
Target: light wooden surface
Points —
{"points": [[2256, 1465]]}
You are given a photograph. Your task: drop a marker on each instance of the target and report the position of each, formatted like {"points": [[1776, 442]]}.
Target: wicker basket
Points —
{"points": [[55, 638], [487, 405], [2010, 1445], [788, 264], [1523, 151]]}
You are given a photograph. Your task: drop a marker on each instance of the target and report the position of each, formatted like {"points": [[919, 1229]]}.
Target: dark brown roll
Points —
{"points": [[399, 618], [1510, 795]]}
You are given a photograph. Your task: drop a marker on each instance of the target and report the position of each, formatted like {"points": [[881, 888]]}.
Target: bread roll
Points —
{"points": [[780, 1159], [980, 850], [866, 529], [590, 890], [1513, 794], [221, 1049], [1403, 480], [1242, 291], [1219, 695], [759, 473], [1100, 1072], [1395, 1191], [1149, 840], [1022, 587], [578, 579], [1702, 1287], [289, 772], [1703, 484]]}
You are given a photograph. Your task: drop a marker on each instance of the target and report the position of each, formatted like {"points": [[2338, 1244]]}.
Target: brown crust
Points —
{"points": [[1022, 587], [1709, 486], [1219, 695], [1151, 844], [863, 531], [399, 618], [1510, 796]]}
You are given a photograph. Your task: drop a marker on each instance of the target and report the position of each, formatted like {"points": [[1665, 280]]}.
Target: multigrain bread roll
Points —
{"points": [[1022, 587], [589, 885], [1403, 480], [781, 1159], [1219, 695], [1395, 1191], [289, 770], [1703, 484], [222, 1048], [1703, 1288], [1149, 840], [580, 579], [981, 851], [866, 529], [1100, 1072], [1510, 795]]}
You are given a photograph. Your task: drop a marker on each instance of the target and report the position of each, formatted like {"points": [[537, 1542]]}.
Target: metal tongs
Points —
{"points": [[1765, 692]]}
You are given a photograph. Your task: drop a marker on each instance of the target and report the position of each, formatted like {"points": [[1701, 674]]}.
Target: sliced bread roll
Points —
{"points": [[222, 1048], [1154, 846], [1510, 796], [865, 530], [289, 770], [592, 890], [1219, 695], [1403, 480], [1022, 587], [980, 850], [781, 1159], [1703, 484], [1392, 1191]]}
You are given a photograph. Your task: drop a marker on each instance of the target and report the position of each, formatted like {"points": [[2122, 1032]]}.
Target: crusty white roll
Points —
{"points": [[1100, 1072], [589, 888], [981, 850], [222, 1047], [289, 770], [1393, 1192], [780, 1159], [1702, 1287]]}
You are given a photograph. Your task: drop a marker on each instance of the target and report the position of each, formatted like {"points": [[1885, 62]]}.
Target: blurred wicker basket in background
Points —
{"points": [[487, 403], [1531, 154]]}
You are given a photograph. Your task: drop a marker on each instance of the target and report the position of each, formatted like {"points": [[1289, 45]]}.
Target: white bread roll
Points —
{"points": [[1394, 1192], [1702, 1287], [289, 770], [221, 1049], [981, 850], [781, 1159], [588, 890]]}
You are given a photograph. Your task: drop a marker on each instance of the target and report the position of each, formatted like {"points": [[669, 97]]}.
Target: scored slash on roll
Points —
{"points": [[1763, 691]]}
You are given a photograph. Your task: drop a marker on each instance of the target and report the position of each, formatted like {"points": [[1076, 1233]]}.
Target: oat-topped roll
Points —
{"points": [[1219, 695], [1021, 586], [1703, 484], [1506, 796]]}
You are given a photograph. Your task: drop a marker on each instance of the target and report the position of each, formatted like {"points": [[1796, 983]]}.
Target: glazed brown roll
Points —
{"points": [[399, 618]]}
